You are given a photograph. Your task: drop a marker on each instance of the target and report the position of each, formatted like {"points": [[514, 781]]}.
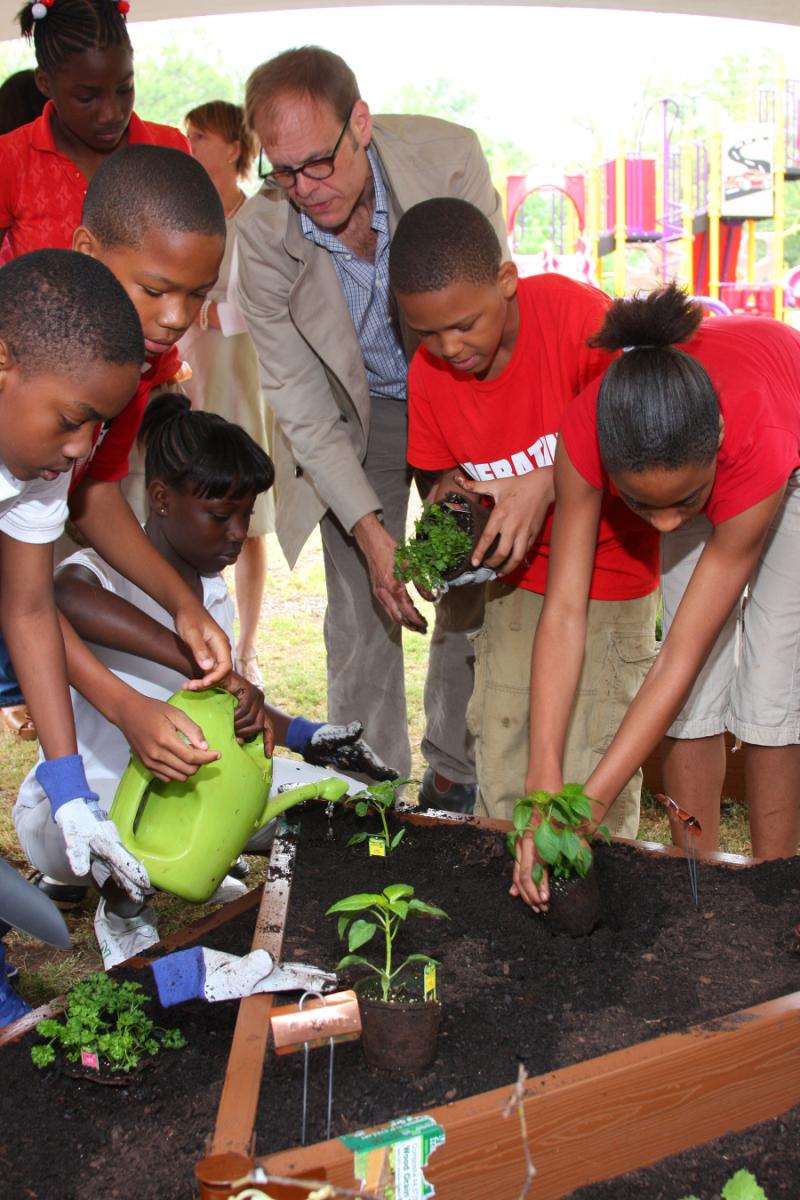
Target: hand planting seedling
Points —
{"points": [[108, 1019], [378, 798], [439, 544], [563, 816], [385, 911]]}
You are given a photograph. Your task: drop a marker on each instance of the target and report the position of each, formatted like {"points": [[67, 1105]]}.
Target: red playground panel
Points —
{"points": [[754, 299], [640, 193]]}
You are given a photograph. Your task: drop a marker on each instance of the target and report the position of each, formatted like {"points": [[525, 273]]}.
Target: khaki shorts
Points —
{"points": [[620, 647], [750, 682]]}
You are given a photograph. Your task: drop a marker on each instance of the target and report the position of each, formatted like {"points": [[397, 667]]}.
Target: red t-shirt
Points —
{"points": [[509, 425], [41, 200], [42, 191], [754, 365]]}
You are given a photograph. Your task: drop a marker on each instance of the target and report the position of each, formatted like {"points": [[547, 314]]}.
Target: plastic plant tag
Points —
{"points": [[391, 1161], [429, 981], [90, 1059], [377, 847], [335, 1016]]}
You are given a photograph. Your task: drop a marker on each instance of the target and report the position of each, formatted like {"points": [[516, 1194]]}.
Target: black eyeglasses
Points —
{"points": [[315, 168]]}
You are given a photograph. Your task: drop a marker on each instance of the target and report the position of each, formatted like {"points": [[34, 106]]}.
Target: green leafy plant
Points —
{"points": [[741, 1186], [106, 1018], [382, 911], [438, 544], [378, 798], [562, 817]]}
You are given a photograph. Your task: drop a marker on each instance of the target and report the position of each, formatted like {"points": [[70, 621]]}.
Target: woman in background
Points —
{"points": [[222, 356]]}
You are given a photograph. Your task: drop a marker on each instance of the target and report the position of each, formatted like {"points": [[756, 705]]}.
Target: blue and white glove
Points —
{"points": [[340, 746], [88, 834], [476, 575]]}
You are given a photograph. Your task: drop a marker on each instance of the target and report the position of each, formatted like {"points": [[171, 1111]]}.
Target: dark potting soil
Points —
{"points": [[770, 1151], [64, 1139], [511, 992]]}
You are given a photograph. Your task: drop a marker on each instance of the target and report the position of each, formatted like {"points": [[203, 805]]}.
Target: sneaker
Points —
{"points": [[456, 797], [121, 938], [240, 869], [64, 895], [229, 889]]}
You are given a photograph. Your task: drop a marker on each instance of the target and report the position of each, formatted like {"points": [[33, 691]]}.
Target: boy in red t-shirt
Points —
{"points": [[500, 360]]}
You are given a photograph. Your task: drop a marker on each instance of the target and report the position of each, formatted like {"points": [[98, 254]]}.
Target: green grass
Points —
{"points": [[293, 663]]}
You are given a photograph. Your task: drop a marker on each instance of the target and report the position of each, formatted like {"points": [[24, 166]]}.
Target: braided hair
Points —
{"points": [[73, 27]]}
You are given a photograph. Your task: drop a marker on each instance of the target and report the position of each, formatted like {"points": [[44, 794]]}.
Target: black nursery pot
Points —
{"points": [[471, 517], [399, 1035], [574, 904]]}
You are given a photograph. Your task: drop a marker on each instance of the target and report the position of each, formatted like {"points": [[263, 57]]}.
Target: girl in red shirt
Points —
{"points": [[85, 68], [697, 428]]}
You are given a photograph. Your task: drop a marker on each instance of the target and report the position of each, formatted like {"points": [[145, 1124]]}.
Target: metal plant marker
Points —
{"points": [[691, 831], [306, 1048]]}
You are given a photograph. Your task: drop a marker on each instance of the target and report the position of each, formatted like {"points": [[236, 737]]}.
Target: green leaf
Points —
{"points": [[570, 844], [42, 1056], [601, 832], [362, 808], [395, 891], [537, 873], [743, 1186], [547, 842], [583, 861], [341, 925], [357, 838], [582, 807], [398, 837], [429, 909], [355, 903], [360, 933], [353, 960], [399, 908], [522, 815]]}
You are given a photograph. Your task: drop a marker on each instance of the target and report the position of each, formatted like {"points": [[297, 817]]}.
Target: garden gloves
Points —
{"points": [[92, 840], [339, 746], [476, 575], [213, 975]]}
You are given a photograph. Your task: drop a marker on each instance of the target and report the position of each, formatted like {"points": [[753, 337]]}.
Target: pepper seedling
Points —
{"points": [[377, 798], [108, 1019], [384, 910], [439, 544], [563, 816]]}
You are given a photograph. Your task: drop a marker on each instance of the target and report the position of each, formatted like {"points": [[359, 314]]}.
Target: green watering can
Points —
{"points": [[188, 833]]}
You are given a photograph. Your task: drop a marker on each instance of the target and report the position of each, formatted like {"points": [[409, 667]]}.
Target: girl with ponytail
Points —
{"points": [[84, 66], [696, 426]]}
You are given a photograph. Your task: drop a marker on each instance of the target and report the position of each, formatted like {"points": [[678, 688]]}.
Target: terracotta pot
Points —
{"points": [[574, 905], [399, 1035]]}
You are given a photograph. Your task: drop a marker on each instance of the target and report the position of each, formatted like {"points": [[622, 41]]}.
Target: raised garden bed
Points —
{"points": [[610, 1109], [607, 1094]]}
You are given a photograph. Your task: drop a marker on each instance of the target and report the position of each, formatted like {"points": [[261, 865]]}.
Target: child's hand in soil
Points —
{"points": [[522, 884], [521, 503]]}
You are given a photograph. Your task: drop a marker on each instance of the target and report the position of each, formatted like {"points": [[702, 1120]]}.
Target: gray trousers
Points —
{"points": [[364, 646]]}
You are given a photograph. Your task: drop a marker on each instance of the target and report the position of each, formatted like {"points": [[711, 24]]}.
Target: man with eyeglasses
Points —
{"points": [[313, 252]]}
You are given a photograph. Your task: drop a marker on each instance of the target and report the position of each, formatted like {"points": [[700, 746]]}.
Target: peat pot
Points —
{"points": [[399, 1035], [471, 516], [574, 904]]}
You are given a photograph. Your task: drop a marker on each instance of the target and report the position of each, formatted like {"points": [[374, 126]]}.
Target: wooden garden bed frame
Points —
{"points": [[588, 1122]]}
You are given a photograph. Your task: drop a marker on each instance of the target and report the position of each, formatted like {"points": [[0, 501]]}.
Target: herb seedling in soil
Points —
{"points": [[108, 1019], [378, 798], [384, 910], [439, 544], [741, 1186], [562, 817]]}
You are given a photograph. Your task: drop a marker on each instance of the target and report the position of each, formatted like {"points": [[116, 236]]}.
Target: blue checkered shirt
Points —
{"points": [[366, 290]]}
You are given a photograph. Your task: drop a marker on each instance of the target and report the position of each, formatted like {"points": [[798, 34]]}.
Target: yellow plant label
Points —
{"points": [[377, 847], [429, 981]]}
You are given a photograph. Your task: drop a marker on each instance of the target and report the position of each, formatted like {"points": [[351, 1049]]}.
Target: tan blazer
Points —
{"points": [[312, 372]]}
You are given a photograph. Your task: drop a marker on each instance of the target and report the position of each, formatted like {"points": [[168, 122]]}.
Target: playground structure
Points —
{"points": [[690, 207]]}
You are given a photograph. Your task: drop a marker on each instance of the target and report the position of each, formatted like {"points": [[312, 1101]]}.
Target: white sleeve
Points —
{"points": [[39, 514], [229, 313]]}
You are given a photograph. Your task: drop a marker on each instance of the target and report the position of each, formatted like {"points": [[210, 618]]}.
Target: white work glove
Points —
{"points": [[88, 835], [476, 575]]}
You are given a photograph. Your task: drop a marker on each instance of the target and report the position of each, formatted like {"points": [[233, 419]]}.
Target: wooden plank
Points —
{"points": [[236, 1114], [601, 1118]]}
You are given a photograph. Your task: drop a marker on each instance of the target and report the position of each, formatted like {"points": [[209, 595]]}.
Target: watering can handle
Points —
{"points": [[132, 789]]}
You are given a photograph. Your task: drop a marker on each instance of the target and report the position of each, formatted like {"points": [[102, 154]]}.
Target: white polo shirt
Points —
{"points": [[33, 510]]}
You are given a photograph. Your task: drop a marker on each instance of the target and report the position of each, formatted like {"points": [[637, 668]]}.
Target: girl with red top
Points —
{"points": [[85, 68], [697, 428]]}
